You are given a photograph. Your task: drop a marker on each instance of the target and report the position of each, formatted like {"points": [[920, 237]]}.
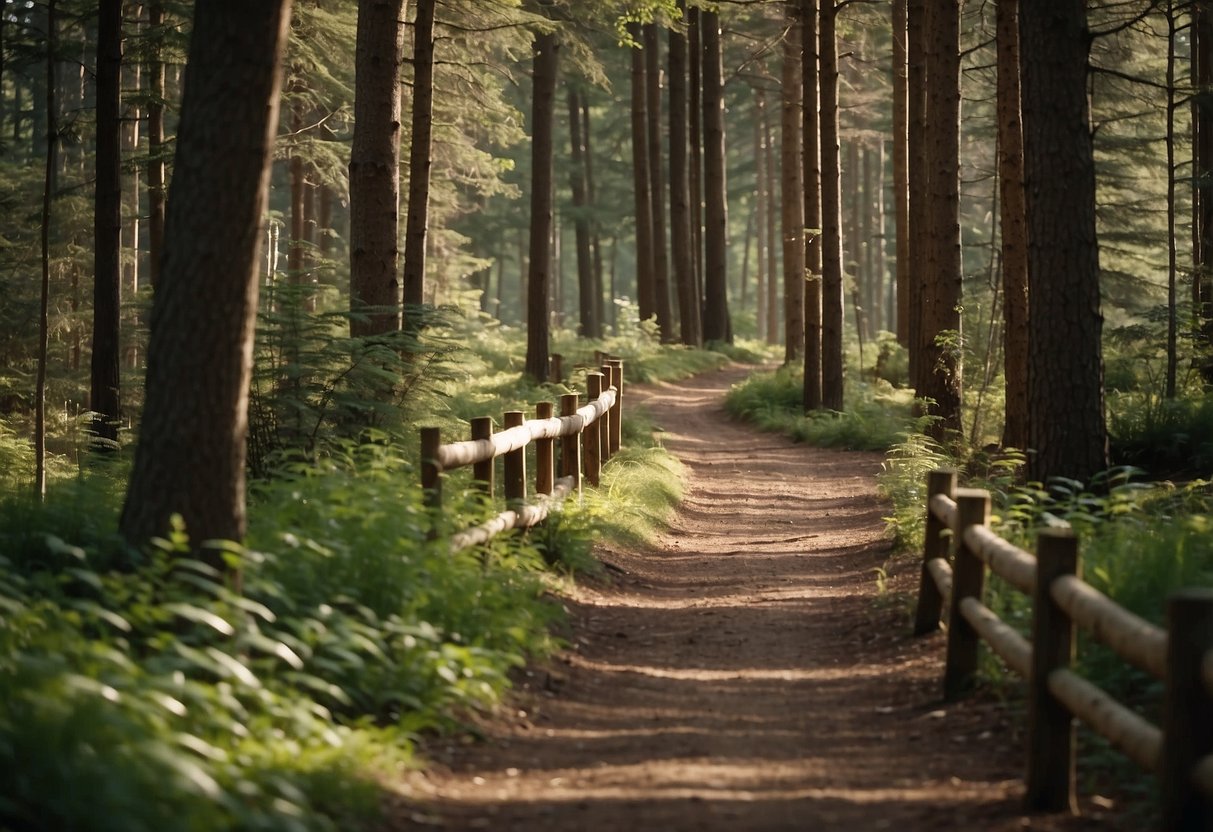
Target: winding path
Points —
{"points": [[742, 673]]}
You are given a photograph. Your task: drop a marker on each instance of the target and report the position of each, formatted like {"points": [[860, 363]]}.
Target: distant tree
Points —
{"points": [[420, 163], [545, 63], [901, 194], [375, 168], [1067, 433], [831, 213], [716, 323], [588, 325], [661, 260], [642, 182], [48, 190], [810, 134], [792, 192], [190, 458], [156, 146], [1202, 163], [681, 236]]}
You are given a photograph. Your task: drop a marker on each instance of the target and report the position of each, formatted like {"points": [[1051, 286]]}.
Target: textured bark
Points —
{"points": [[646, 296], [762, 204], [812, 204], [716, 324], [1014, 230], [771, 232], [48, 190], [695, 139], [1202, 162], [901, 174], [587, 322], [940, 369], [375, 169], [595, 236], [918, 221], [156, 149], [661, 260], [831, 215], [1065, 374], [539, 275], [418, 217], [681, 240], [105, 400], [191, 454], [296, 243]]}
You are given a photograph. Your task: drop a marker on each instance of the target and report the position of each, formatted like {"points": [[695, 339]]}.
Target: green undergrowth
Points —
{"points": [[876, 415]]}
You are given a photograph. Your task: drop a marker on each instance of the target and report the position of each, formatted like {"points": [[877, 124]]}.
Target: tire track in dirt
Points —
{"points": [[742, 673]]}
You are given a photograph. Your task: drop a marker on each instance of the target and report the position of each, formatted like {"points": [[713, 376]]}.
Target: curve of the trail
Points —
{"points": [[744, 672]]}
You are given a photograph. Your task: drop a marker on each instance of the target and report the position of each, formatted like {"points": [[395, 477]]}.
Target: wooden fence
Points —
{"points": [[588, 436], [1179, 752]]}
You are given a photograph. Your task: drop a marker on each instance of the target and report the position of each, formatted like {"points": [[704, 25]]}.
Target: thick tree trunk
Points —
{"points": [[812, 204], [587, 323], [716, 324], [1065, 377], [156, 149], [661, 260], [1013, 228], [543, 109], [191, 454], [418, 217], [107, 230], [831, 216], [680, 191], [901, 175], [375, 169]]}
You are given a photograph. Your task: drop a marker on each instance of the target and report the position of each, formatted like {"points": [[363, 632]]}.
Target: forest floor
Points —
{"points": [[745, 671]]}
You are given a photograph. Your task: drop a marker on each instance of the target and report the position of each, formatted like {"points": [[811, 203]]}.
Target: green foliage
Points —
{"points": [[1167, 437]]}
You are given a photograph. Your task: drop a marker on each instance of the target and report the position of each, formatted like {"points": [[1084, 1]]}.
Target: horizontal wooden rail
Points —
{"points": [[587, 436], [1180, 751]]}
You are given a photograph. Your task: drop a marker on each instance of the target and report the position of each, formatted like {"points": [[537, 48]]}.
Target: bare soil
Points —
{"points": [[747, 671]]}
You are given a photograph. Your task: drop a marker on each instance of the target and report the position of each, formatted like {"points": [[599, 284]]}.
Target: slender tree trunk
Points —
{"points": [[810, 133], [1172, 254], [156, 149], [661, 260], [831, 216], [1202, 163], [3, 66], [716, 324], [762, 205], [595, 235], [131, 119], [872, 282], [852, 233], [901, 174], [791, 193], [646, 296], [295, 246], [695, 138], [1013, 227], [772, 223], [1066, 398], [588, 325], [375, 169], [418, 217], [48, 192], [191, 454], [680, 191], [107, 230], [917, 227], [545, 68]]}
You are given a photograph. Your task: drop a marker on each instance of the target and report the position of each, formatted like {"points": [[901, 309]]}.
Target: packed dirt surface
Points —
{"points": [[744, 672]]}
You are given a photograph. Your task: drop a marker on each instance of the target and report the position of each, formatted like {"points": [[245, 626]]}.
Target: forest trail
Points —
{"points": [[741, 673]]}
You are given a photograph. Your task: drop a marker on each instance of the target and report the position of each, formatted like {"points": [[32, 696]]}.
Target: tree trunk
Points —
{"points": [[661, 261], [901, 175], [156, 149], [1202, 163], [810, 133], [1013, 228], [762, 204], [587, 323], [420, 163], [295, 246], [939, 371], [646, 295], [543, 108], [716, 324], [791, 193], [831, 216], [1065, 374], [772, 223], [1172, 254], [872, 279], [695, 139], [107, 230], [375, 169], [595, 237], [680, 192], [917, 226], [48, 190], [191, 454]]}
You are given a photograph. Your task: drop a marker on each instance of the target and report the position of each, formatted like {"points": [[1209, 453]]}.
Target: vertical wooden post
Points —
{"points": [[1187, 720], [591, 457], [570, 446], [514, 463], [617, 410], [482, 472], [604, 424], [968, 580], [1051, 728], [930, 601], [544, 453], [557, 368]]}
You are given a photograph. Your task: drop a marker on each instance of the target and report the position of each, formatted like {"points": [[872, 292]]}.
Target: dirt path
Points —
{"points": [[742, 674]]}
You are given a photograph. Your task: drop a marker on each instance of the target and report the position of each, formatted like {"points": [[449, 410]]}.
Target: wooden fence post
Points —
{"points": [[930, 600], [482, 472], [431, 476], [590, 448], [604, 425], [1051, 729], [544, 453], [557, 368], [616, 411], [968, 580], [514, 463], [1187, 720], [570, 446]]}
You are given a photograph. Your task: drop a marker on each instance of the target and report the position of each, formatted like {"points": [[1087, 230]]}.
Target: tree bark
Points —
{"points": [[418, 216], [762, 204], [661, 261], [1065, 374], [587, 322], [646, 295], [812, 204], [918, 221], [716, 324], [595, 235], [1202, 163], [105, 400], [543, 108], [375, 169], [190, 458], [695, 139], [901, 174], [156, 149], [772, 225], [48, 191], [831, 215], [680, 191], [1013, 227]]}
